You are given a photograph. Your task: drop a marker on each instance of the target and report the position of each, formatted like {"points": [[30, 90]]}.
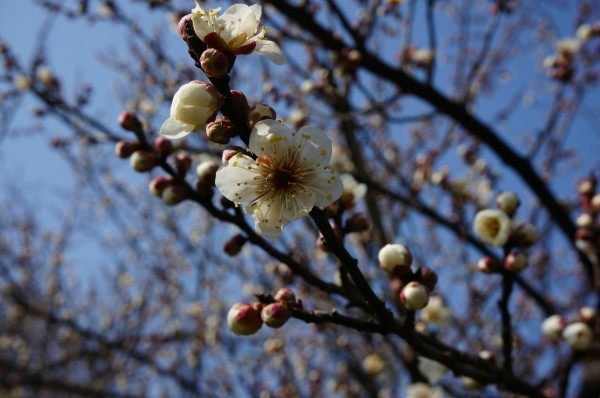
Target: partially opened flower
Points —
{"points": [[194, 104], [236, 31], [492, 226], [290, 175]]}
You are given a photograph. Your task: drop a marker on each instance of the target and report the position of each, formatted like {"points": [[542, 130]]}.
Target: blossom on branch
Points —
{"points": [[194, 104], [290, 175], [235, 31], [492, 227]]}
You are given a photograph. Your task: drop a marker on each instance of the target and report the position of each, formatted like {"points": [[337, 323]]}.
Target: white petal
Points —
{"points": [[174, 129], [270, 138], [238, 18], [299, 205], [238, 180], [268, 218], [270, 50], [328, 187], [317, 148], [257, 10], [201, 27]]}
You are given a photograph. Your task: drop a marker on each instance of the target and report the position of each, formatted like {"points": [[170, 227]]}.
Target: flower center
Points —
{"points": [[282, 179]]}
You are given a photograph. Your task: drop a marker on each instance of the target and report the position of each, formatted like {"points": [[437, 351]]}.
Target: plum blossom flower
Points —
{"points": [[194, 104], [235, 31], [492, 226], [289, 176]]}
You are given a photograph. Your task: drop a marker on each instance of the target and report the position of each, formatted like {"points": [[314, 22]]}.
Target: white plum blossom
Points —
{"points": [[579, 336], [290, 175], [422, 390], [432, 370], [492, 227], [553, 326], [194, 104], [236, 31]]}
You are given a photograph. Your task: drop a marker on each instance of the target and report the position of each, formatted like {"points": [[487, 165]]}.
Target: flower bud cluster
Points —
{"points": [[247, 319], [578, 333], [415, 286], [588, 230]]}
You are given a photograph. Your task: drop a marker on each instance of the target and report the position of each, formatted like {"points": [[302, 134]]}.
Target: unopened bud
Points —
{"points": [[234, 246], [206, 172], [260, 112], [124, 149], [214, 63], [586, 187], [241, 103], [487, 355], [183, 162], [221, 131], [595, 203], [129, 121], [158, 184], [356, 223], [181, 26], [395, 259], [552, 327], [230, 152], [244, 319], [142, 160], [414, 296], [587, 314], [275, 314], [174, 194], [508, 202], [428, 277], [524, 235], [163, 146], [488, 265], [286, 295], [585, 221], [579, 336], [516, 261]]}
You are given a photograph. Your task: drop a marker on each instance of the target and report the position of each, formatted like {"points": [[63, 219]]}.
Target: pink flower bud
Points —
{"points": [[124, 149], [508, 202], [244, 319], [275, 315], [142, 160], [158, 184], [181, 26], [356, 223], [214, 63], [221, 131], [234, 246], [488, 265], [552, 327], [183, 162], [230, 152], [286, 295], [414, 296], [395, 259], [524, 235], [174, 194], [240, 102], [163, 146], [516, 261], [260, 112], [129, 121]]}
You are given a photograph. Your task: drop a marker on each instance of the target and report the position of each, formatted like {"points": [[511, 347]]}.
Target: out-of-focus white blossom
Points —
{"points": [[567, 46], [423, 390], [579, 336], [432, 370], [22, 82], [373, 364], [436, 312]]}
